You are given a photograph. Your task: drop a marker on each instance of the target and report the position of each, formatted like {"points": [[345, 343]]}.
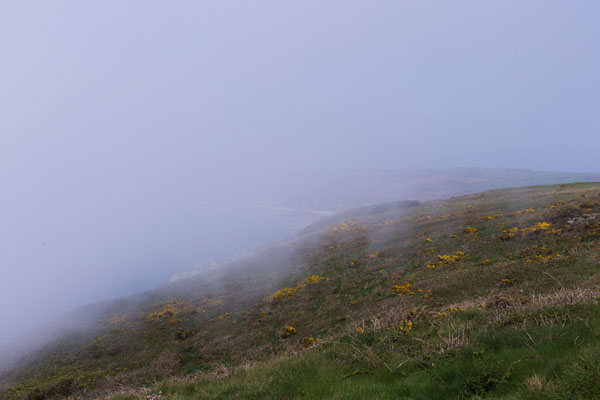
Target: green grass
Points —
{"points": [[498, 362]]}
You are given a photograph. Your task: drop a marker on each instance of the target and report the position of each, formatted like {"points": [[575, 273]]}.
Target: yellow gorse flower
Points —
{"points": [[282, 294], [536, 227], [289, 292], [406, 327], [346, 226], [401, 290], [289, 331]]}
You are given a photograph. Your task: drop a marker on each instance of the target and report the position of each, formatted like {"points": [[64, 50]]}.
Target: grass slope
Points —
{"points": [[491, 295]]}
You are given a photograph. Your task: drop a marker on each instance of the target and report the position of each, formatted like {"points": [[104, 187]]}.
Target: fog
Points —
{"points": [[139, 138]]}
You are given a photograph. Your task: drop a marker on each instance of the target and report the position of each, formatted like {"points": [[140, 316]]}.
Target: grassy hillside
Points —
{"points": [[488, 295]]}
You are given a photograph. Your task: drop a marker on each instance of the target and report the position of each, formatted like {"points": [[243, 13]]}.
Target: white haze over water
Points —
{"points": [[138, 138]]}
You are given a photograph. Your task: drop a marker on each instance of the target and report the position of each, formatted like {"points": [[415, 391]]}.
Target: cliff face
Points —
{"points": [[200, 268]]}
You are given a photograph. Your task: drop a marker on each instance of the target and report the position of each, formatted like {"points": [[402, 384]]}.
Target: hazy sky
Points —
{"points": [[132, 131]]}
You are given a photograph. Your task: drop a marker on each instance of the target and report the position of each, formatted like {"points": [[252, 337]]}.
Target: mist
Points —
{"points": [[139, 138]]}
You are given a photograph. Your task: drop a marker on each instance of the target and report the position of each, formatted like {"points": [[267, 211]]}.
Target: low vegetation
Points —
{"points": [[490, 295]]}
